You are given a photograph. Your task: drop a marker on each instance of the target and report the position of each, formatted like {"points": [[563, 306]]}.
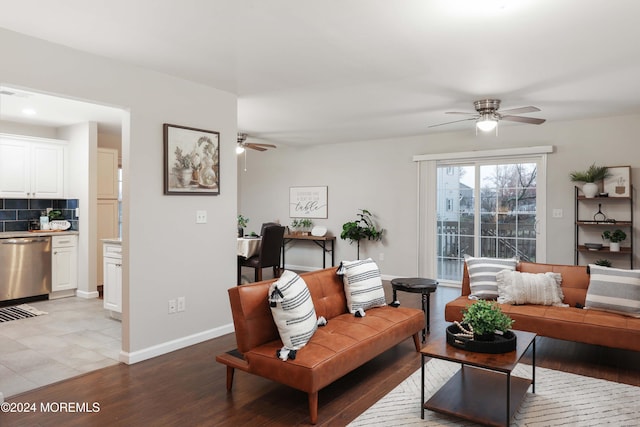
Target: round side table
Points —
{"points": [[416, 285]]}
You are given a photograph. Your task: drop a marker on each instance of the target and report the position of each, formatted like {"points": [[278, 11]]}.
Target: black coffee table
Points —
{"points": [[416, 285]]}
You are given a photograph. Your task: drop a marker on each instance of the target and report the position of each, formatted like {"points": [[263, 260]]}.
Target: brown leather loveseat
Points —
{"points": [[345, 343], [566, 323]]}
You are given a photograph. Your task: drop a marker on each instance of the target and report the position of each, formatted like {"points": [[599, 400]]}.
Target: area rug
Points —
{"points": [[561, 399], [17, 312]]}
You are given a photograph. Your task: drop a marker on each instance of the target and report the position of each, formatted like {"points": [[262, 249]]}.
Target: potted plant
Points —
{"points": [[182, 167], [363, 227], [242, 223], [615, 237], [603, 262], [589, 177], [303, 225], [485, 318]]}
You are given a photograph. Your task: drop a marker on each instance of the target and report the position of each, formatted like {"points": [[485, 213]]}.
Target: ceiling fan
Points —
{"points": [[487, 115], [242, 144]]}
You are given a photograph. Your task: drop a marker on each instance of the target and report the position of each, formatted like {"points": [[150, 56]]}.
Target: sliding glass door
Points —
{"points": [[487, 209]]}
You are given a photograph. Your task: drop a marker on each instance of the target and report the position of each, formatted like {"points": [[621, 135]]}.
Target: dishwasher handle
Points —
{"points": [[23, 241]]}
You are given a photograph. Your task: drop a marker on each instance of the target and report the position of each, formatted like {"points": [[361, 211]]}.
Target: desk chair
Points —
{"points": [[268, 255]]}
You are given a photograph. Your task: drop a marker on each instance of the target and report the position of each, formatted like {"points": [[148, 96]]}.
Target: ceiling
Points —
{"points": [[314, 72]]}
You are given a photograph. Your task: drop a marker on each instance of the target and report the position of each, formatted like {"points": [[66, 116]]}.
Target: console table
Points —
{"points": [[321, 241]]}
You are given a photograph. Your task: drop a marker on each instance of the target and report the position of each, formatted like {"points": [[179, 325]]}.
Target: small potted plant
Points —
{"points": [[603, 262], [615, 237], [302, 226], [242, 223], [485, 318], [589, 177]]}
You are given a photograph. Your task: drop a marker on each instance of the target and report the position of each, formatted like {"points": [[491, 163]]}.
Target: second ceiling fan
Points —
{"points": [[487, 115], [242, 144]]}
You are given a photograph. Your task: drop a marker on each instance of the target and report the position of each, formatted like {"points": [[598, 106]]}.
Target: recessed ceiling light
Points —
{"points": [[29, 111]]}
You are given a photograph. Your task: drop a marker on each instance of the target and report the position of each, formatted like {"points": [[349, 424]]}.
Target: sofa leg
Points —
{"points": [[313, 407], [416, 341], [230, 372]]}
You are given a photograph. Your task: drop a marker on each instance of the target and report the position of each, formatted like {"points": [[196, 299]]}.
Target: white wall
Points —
{"points": [[166, 255], [82, 185], [380, 176]]}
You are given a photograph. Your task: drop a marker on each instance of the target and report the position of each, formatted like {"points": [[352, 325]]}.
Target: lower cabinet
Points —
{"points": [[112, 270], [64, 263]]}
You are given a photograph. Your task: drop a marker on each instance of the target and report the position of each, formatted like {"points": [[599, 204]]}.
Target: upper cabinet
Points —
{"points": [[32, 168], [107, 174]]}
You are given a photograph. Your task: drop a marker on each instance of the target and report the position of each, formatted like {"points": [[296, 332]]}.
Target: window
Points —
{"points": [[495, 214], [481, 203]]}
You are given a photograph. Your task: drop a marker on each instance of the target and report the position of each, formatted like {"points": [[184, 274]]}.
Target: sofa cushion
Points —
{"points": [[614, 290], [515, 287], [482, 275], [292, 309], [362, 285]]}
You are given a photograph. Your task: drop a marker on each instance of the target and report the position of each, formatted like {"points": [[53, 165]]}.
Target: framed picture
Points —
{"points": [[191, 161], [618, 184], [308, 202]]}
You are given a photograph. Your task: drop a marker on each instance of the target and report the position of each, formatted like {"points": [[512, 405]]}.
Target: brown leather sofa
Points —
{"points": [[565, 323], [345, 343]]}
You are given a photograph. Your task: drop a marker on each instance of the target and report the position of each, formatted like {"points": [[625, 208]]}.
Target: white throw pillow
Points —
{"points": [[614, 289], [362, 285], [482, 275], [515, 287], [293, 311]]}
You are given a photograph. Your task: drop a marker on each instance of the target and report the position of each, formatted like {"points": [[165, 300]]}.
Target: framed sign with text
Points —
{"points": [[308, 202]]}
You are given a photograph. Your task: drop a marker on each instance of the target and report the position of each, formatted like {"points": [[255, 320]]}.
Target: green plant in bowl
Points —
{"points": [[486, 317]]}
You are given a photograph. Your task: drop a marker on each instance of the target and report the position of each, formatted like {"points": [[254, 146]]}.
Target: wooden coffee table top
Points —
{"points": [[503, 362]]}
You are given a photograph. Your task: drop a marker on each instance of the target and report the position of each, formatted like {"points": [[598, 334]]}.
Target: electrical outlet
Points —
{"points": [[182, 304], [172, 306], [381, 257], [557, 213], [201, 217]]}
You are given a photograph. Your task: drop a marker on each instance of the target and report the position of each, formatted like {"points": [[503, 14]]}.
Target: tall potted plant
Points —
{"points": [[362, 228], [589, 177]]}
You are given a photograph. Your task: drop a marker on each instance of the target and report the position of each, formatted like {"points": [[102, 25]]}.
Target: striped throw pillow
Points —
{"points": [[482, 275], [614, 290], [293, 311], [362, 285]]}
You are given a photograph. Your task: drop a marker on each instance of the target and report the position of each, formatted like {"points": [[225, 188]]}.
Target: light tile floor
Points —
{"points": [[76, 336]]}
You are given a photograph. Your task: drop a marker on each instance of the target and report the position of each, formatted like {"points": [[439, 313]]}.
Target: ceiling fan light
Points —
{"points": [[487, 123], [239, 149]]}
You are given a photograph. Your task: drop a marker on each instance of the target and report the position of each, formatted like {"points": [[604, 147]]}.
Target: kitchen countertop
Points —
{"points": [[114, 240], [13, 234]]}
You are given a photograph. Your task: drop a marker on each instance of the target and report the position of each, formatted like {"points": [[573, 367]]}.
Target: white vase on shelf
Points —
{"points": [[590, 190], [614, 247]]}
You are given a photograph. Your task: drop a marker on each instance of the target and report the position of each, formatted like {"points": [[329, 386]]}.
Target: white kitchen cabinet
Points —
{"points": [[32, 168], [107, 173], [112, 267], [64, 263]]}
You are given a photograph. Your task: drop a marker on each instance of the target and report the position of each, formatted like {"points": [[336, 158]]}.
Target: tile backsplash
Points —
{"points": [[16, 213]]}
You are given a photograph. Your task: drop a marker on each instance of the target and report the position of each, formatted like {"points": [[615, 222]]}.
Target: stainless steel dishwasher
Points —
{"points": [[25, 267]]}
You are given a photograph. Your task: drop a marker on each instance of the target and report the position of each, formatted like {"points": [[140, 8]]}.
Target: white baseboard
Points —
{"points": [[177, 344], [87, 294]]}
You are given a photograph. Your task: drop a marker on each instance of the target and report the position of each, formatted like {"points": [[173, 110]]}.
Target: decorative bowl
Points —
{"points": [[593, 246]]}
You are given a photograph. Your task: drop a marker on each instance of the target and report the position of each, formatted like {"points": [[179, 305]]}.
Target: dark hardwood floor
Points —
{"points": [[187, 387]]}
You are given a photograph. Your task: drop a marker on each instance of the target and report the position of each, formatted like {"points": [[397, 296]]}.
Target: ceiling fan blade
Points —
{"points": [[255, 144], [530, 120], [254, 147], [521, 110], [455, 121], [460, 112]]}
